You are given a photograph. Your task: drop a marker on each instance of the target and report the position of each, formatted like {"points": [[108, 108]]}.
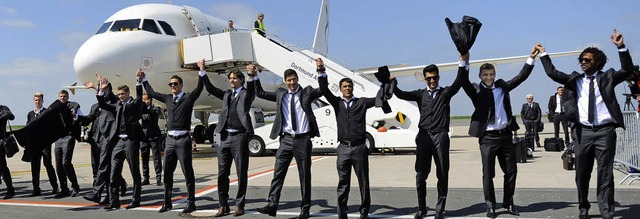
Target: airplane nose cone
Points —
{"points": [[93, 57]]}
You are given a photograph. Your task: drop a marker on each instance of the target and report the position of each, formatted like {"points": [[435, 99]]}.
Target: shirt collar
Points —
{"points": [[485, 86], [350, 99], [437, 88], [36, 110], [179, 95], [238, 90], [297, 89]]}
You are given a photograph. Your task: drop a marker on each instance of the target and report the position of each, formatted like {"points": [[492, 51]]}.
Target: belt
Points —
{"points": [[296, 135], [178, 137], [235, 133], [353, 143], [497, 132], [124, 138], [596, 127]]}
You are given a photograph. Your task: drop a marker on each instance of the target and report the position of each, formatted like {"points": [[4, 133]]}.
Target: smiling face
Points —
{"points": [[235, 81], [176, 86], [292, 82], [63, 97], [37, 101], [432, 79], [587, 63], [488, 76], [123, 93], [346, 88]]}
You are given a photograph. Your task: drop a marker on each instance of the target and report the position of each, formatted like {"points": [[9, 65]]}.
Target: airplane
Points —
{"points": [[165, 40]]}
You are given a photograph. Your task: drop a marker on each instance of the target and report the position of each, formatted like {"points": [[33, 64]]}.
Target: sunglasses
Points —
{"points": [[587, 60], [173, 84], [434, 78]]}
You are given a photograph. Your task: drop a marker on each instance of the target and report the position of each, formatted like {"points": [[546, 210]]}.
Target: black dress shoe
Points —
{"points": [[159, 183], [364, 216], [91, 197], [420, 214], [191, 207], [304, 214], [511, 209], [238, 212], [75, 192], [270, 210], [133, 204], [438, 215], [165, 208], [584, 214], [63, 193], [105, 201], [112, 206], [36, 193], [54, 191], [491, 213], [145, 182], [222, 211], [9, 194]]}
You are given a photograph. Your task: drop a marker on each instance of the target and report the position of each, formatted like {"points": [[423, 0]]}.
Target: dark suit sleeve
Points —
{"points": [[627, 68], [152, 93], [213, 90], [195, 93], [522, 111], [87, 119], [138, 100], [270, 96], [317, 92], [415, 95], [552, 72], [550, 105], [463, 75], [521, 77], [251, 95], [104, 105], [538, 112], [323, 86]]}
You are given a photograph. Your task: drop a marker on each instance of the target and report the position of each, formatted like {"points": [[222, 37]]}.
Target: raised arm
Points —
{"points": [[102, 102], [525, 71], [463, 75], [213, 90], [415, 95], [322, 75], [147, 87], [255, 81], [626, 63], [549, 68]]}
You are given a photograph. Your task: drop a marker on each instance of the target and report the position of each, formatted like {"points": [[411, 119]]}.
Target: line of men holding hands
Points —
{"points": [[595, 110]]}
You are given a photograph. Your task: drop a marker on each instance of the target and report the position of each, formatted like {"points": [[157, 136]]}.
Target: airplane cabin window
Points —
{"points": [[167, 28], [150, 25], [104, 27], [126, 25]]}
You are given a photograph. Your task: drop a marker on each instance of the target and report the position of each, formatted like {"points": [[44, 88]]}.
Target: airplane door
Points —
{"points": [[198, 20]]}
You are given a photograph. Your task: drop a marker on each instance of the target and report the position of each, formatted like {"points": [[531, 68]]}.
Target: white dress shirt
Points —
{"points": [[602, 115]]}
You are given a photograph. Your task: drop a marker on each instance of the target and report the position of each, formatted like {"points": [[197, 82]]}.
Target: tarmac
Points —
{"points": [[543, 189]]}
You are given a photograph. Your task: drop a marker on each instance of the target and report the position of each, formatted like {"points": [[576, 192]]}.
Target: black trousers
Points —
{"points": [[178, 149], [300, 149], [233, 148], [601, 145], [130, 150], [557, 119], [531, 129], [103, 172], [64, 154], [146, 147], [95, 157], [500, 146], [45, 158], [428, 146], [356, 156], [4, 170]]}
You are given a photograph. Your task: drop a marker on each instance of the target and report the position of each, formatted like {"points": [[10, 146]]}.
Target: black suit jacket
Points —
{"points": [[607, 82], [150, 116], [533, 110], [307, 95], [101, 121], [480, 97], [131, 113], [246, 97]]}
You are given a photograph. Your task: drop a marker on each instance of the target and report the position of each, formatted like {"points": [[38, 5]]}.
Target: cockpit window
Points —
{"points": [[150, 25], [104, 27], [167, 28], [126, 25]]}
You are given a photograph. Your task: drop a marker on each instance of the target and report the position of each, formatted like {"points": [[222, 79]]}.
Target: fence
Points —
{"points": [[627, 157]]}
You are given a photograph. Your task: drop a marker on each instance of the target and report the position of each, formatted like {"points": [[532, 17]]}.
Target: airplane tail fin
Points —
{"points": [[320, 42]]}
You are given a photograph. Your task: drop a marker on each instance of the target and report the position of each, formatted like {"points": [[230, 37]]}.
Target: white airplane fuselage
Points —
{"points": [[123, 45]]}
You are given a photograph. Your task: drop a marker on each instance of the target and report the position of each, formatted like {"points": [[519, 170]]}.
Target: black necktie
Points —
{"points": [[233, 95], [175, 99], [294, 120], [433, 93], [492, 107], [592, 99]]}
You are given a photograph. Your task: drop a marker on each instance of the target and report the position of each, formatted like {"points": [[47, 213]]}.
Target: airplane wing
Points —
{"points": [[416, 71]]}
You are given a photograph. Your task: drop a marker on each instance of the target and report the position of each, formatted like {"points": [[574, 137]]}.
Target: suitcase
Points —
{"points": [[568, 161], [521, 150], [553, 144]]}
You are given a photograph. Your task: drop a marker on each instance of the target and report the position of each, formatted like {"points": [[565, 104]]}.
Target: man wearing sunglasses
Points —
{"points": [[492, 122], [432, 140], [596, 114], [178, 142]]}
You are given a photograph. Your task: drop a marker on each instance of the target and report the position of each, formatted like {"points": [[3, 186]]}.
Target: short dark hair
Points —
{"points": [[486, 66], [177, 77], [430, 68], [289, 72], [124, 87], [598, 56], [348, 80], [63, 92], [237, 73], [560, 87]]}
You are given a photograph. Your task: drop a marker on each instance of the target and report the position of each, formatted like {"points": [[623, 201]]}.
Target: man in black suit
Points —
{"points": [[295, 124], [234, 127], [492, 122], [432, 140], [531, 115], [353, 151], [557, 112], [152, 139], [125, 136], [178, 142], [38, 155], [597, 114], [5, 115], [64, 151]]}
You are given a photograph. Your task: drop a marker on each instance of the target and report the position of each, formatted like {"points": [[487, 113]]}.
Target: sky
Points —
{"points": [[39, 39]]}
